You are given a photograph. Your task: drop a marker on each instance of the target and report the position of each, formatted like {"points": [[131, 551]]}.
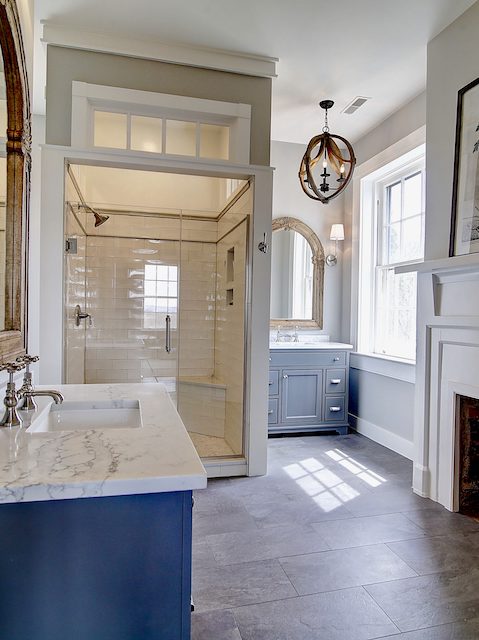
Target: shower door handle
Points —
{"points": [[168, 334]]}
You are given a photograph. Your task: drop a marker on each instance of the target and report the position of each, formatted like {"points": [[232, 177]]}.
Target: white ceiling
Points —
{"points": [[326, 49]]}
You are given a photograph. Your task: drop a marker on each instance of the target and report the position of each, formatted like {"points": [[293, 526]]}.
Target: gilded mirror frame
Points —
{"points": [[318, 273], [13, 339]]}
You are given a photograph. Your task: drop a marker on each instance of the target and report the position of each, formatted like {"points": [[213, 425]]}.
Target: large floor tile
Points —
{"points": [[387, 499], [205, 523], [343, 568], [356, 532], [303, 511], [462, 630], [439, 521], [264, 544], [440, 553], [235, 585], [349, 614], [214, 625], [426, 601]]}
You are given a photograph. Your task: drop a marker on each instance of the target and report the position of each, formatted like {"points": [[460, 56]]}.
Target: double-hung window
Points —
{"points": [[392, 236]]}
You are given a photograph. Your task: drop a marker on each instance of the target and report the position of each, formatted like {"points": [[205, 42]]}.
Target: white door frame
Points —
{"points": [[54, 160]]}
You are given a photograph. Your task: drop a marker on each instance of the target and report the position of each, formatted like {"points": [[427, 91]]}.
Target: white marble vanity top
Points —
{"points": [[310, 345], [154, 458]]}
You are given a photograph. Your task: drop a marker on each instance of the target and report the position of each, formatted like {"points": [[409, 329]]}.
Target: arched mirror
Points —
{"points": [[15, 145], [297, 275]]}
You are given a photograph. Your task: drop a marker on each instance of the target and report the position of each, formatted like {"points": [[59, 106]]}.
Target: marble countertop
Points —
{"points": [[154, 458], [319, 344]]}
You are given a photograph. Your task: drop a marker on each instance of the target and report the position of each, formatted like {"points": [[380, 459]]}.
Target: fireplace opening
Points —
{"points": [[467, 412]]}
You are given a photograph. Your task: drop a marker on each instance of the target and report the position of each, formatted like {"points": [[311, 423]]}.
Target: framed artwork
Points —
{"points": [[465, 192]]}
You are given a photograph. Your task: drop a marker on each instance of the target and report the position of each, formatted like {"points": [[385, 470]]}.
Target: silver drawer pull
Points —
{"points": [[270, 383], [334, 409], [270, 358], [335, 381], [285, 375], [336, 359], [270, 412]]}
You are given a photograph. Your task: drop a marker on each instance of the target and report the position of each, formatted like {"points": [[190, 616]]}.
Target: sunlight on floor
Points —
{"points": [[325, 487]]}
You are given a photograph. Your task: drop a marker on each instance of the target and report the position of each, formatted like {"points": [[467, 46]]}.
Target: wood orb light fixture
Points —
{"points": [[324, 153]]}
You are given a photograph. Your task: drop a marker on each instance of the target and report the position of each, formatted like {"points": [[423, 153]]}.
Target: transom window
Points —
{"points": [[129, 131]]}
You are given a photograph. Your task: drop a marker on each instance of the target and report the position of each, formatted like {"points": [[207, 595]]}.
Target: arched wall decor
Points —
{"points": [[318, 273], [13, 339]]}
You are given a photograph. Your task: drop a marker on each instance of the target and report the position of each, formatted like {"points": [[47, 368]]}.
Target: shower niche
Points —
{"points": [[159, 273]]}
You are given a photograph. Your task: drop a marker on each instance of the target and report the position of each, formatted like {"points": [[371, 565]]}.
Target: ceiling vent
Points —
{"points": [[355, 104]]}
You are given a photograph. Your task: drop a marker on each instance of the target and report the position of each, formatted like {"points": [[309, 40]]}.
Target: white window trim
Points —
{"points": [[383, 365], [88, 97]]}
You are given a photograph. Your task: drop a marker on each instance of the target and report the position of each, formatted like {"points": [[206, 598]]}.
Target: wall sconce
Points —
{"points": [[337, 233]]}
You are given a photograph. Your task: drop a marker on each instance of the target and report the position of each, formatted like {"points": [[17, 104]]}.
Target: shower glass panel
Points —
{"points": [[162, 297]]}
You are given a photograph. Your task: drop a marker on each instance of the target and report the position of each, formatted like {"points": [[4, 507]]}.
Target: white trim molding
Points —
{"points": [[382, 436], [87, 97], [207, 58], [382, 366]]}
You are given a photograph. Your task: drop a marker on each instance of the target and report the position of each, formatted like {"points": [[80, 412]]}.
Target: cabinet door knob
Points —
{"points": [[270, 383], [334, 409], [285, 375], [270, 412], [335, 380], [336, 359]]}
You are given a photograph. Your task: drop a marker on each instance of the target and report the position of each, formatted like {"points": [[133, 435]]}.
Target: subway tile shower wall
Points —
{"points": [[122, 345]]}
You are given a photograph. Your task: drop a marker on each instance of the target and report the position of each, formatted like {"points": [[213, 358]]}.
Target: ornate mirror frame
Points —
{"points": [[13, 339], [318, 273]]}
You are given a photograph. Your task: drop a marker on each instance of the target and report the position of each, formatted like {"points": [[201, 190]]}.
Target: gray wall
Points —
{"points": [[452, 62], [65, 65], [290, 200], [381, 406]]}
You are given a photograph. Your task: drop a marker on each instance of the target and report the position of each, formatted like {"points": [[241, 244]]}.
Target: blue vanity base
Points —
{"points": [[115, 568]]}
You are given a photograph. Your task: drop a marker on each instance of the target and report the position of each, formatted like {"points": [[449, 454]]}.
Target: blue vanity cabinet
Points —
{"points": [[308, 390], [108, 568]]}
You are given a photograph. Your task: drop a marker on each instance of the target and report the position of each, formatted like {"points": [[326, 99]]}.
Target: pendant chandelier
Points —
{"points": [[324, 153]]}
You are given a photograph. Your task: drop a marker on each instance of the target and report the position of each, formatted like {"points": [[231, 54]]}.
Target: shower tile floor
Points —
{"points": [[331, 545], [210, 446]]}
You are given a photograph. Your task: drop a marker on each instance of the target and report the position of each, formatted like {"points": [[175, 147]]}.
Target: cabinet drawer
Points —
{"points": [[334, 409], [308, 358], [335, 380], [273, 383], [273, 411]]}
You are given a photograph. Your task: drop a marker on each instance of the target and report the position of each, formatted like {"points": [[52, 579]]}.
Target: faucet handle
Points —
{"points": [[12, 367], [26, 359]]}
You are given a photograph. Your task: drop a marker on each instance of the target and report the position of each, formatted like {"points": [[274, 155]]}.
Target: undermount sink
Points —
{"points": [[85, 415]]}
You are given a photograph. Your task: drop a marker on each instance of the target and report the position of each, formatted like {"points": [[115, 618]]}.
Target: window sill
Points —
{"points": [[384, 366]]}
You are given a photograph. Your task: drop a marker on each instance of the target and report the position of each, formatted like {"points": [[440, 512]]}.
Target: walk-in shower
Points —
{"points": [[162, 288]]}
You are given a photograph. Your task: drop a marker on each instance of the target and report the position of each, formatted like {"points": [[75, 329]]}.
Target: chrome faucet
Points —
{"points": [[22, 399], [11, 417], [26, 401], [26, 393]]}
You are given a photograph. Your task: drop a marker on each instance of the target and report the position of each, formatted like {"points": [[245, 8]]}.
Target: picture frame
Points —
{"points": [[464, 237]]}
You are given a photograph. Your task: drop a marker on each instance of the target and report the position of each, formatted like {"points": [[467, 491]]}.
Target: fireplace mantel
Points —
{"points": [[447, 364]]}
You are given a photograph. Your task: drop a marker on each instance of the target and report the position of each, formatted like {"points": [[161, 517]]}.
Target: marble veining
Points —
{"points": [[156, 458]]}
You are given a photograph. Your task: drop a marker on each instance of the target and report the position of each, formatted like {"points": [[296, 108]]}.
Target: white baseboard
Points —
{"points": [[382, 436]]}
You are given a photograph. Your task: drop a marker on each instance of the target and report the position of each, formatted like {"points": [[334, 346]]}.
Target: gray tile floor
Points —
{"points": [[331, 545]]}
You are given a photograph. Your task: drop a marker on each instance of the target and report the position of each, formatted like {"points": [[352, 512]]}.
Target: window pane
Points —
{"points": [[150, 288], [395, 331], [411, 241], [214, 141], [394, 201], [181, 137], [110, 130], [162, 272], [394, 243], [172, 289], [412, 195], [146, 134], [150, 272], [150, 304], [162, 288]]}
